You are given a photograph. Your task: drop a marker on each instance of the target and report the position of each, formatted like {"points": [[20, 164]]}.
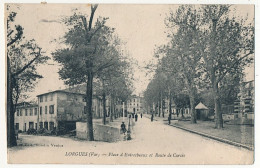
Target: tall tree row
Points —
{"points": [[208, 48]]}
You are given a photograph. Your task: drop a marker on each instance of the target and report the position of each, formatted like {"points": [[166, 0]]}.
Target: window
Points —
{"points": [[26, 112], [16, 126], [51, 109], [31, 112], [17, 113], [51, 99], [134, 100], [46, 110], [40, 110], [51, 125], [35, 111], [41, 99], [21, 113], [46, 98]]}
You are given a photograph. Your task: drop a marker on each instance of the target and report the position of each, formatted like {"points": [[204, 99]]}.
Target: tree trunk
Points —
{"points": [[170, 107], [111, 109], [162, 106], [90, 133], [159, 109], [218, 112], [11, 140], [193, 111], [104, 107]]}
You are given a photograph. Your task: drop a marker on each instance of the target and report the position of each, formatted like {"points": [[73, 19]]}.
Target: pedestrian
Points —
{"points": [[136, 117], [123, 129], [133, 115], [141, 115], [152, 118]]}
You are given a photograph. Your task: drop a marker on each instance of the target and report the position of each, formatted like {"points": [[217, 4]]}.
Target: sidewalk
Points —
{"points": [[238, 135]]}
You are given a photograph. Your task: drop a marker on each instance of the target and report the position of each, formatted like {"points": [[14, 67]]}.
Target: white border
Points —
{"points": [[3, 150]]}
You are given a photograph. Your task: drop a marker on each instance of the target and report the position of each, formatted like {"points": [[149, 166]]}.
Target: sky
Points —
{"points": [[140, 26]]}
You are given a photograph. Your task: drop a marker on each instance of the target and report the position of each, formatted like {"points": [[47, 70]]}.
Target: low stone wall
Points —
{"points": [[104, 133], [227, 117]]}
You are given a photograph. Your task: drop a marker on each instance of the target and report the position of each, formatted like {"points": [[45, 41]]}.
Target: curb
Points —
{"points": [[213, 137], [216, 138]]}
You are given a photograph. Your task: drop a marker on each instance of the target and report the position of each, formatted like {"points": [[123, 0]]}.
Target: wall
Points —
{"points": [[101, 132], [70, 109]]}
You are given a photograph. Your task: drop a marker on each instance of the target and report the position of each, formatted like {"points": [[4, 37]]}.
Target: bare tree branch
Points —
{"points": [[28, 64]]}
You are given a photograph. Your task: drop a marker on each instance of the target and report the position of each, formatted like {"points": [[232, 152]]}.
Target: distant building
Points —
{"points": [[246, 98], [135, 104]]}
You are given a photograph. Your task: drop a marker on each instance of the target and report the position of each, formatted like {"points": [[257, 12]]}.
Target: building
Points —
{"points": [[245, 104], [59, 109], [202, 112], [135, 104], [26, 116]]}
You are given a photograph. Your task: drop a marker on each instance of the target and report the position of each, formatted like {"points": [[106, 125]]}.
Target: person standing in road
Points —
{"points": [[136, 117], [141, 115]]}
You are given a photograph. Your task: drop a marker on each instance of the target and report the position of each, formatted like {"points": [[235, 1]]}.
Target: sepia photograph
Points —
{"points": [[130, 84]]}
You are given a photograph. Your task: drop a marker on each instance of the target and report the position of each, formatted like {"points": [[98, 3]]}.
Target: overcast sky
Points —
{"points": [[140, 26]]}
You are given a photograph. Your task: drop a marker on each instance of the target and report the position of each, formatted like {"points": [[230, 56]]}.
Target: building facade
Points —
{"points": [[58, 109], [26, 116], [135, 104], [246, 98]]}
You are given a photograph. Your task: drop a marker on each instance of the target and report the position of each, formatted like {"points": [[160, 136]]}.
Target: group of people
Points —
{"points": [[135, 115]]}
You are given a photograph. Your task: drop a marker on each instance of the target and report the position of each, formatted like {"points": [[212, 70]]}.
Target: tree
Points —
{"points": [[230, 46], [23, 56], [184, 55], [83, 58], [115, 80]]}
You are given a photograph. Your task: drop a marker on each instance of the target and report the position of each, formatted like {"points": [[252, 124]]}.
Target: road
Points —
{"points": [[152, 143]]}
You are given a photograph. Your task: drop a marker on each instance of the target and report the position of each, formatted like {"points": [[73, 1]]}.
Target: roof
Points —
{"points": [[26, 104], [201, 106], [77, 91], [63, 91]]}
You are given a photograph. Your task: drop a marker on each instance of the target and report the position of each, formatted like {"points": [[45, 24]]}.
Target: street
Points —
{"points": [[152, 143]]}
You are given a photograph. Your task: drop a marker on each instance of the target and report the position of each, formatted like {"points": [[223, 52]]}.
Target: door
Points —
{"points": [[31, 125], [198, 114], [46, 125]]}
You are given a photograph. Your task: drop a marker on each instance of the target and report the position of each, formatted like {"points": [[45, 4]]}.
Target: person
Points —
{"points": [[141, 115], [16, 133], [123, 129], [152, 118], [136, 116]]}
